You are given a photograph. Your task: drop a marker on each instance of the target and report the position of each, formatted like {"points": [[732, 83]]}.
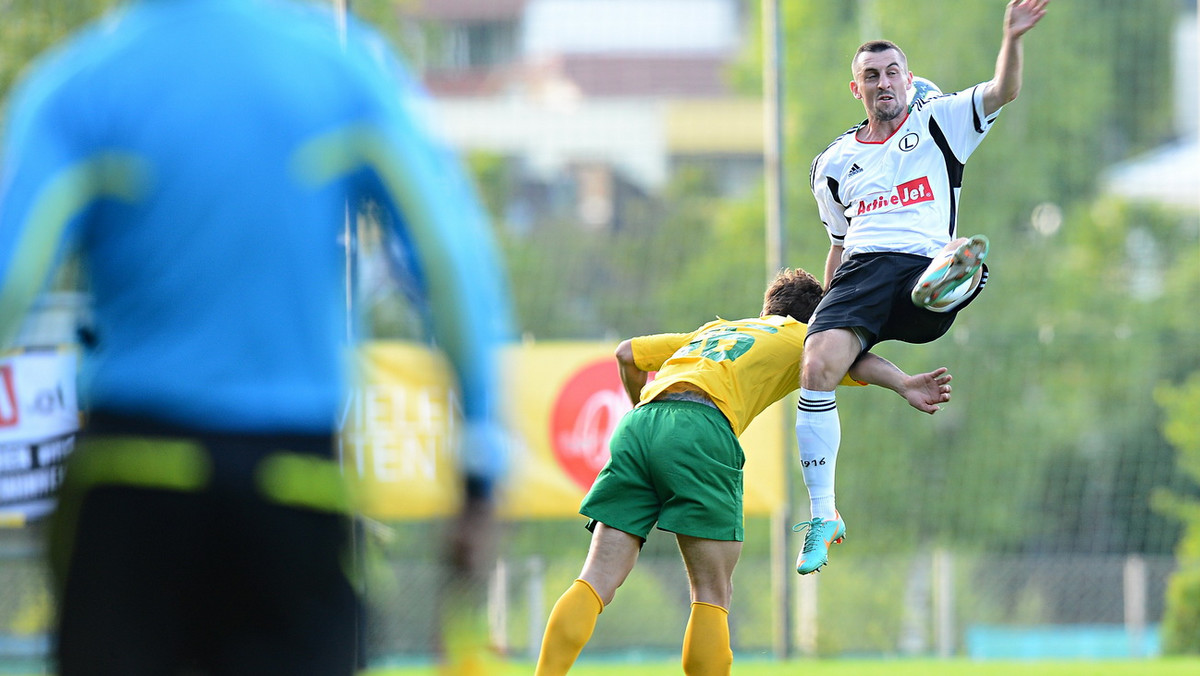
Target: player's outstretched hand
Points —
{"points": [[927, 391], [1021, 15]]}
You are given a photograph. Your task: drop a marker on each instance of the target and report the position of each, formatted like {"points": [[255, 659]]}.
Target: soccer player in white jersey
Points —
{"points": [[887, 192]]}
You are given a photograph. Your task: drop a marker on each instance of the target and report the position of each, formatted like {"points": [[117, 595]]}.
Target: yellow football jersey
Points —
{"points": [[744, 366]]}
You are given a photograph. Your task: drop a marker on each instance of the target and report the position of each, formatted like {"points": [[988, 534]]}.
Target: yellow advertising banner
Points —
{"points": [[398, 426], [564, 401]]}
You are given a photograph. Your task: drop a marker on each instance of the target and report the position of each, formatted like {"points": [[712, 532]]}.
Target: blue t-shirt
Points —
{"points": [[201, 155]]}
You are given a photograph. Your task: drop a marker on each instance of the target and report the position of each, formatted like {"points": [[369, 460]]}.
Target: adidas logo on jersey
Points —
{"points": [[855, 169]]}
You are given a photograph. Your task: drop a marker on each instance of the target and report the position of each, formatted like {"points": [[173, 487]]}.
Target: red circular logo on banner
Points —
{"points": [[586, 412]]}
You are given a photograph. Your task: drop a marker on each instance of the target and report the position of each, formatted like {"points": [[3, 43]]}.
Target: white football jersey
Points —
{"points": [[901, 195]]}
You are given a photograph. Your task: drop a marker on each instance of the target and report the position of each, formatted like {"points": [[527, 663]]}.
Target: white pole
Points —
{"points": [[781, 577], [781, 569], [806, 615], [498, 606], [773, 132], [537, 604], [341, 10], [1135, 604], [943, 602]]}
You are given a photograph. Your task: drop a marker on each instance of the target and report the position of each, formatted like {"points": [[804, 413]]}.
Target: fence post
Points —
{"points": [[806, 615], [1135, 604], [498, 606], [943, 602], [781, 584], [919, 593], [536, 590]]}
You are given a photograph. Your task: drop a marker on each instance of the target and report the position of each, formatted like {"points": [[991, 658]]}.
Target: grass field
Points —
{"points": [[1162, 667], [838, 667]]}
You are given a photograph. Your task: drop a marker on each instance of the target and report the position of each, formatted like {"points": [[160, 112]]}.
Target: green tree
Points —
{"points": [[30, 27], [573, 282], [1181, 625]]}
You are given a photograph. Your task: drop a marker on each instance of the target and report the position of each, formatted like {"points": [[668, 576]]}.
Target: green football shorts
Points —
{"points": [[674, 463]]}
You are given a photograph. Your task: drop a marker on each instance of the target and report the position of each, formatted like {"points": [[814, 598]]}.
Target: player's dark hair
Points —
{"points": [[794, 293], [876, 46]]}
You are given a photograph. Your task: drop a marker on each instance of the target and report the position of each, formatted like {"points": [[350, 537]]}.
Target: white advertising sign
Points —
{"points": [[39, 415]]}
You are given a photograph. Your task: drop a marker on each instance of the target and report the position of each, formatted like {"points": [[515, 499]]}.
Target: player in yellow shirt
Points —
{"points": [[676, 462]]}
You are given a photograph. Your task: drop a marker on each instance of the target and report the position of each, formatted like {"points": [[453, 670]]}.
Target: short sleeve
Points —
{"points": [[960, 118], [832, 212], [650, 352]]}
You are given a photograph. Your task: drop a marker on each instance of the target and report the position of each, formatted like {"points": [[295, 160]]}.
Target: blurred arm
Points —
{"points": [[47, 186]]}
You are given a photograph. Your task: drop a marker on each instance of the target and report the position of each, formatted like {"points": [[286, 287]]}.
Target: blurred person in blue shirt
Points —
{"points": [[202, 157]]}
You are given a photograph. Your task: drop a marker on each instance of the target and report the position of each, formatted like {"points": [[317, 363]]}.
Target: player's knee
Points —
{"points": [[828, 356], [820, 371]]}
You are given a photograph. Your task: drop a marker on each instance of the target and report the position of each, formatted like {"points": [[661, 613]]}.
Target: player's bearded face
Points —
{"points": [[889, 104], [882, 84]]}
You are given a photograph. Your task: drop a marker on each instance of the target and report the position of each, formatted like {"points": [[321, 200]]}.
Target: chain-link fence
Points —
{"points": [[937, 603], [26, 605]]}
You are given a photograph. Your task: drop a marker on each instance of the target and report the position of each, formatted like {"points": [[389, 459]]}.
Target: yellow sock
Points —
{"points": [[706, 649], [570, 626]]}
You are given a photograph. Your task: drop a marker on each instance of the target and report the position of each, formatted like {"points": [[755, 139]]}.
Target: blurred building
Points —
{"points": [[1170, 174], [594, 104]]}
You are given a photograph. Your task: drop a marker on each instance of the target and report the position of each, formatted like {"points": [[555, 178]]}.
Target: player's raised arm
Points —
{"points": [[1019, 17]]}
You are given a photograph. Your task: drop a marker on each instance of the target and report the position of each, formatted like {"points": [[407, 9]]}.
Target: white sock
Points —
{"points": [[818, 433]]}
